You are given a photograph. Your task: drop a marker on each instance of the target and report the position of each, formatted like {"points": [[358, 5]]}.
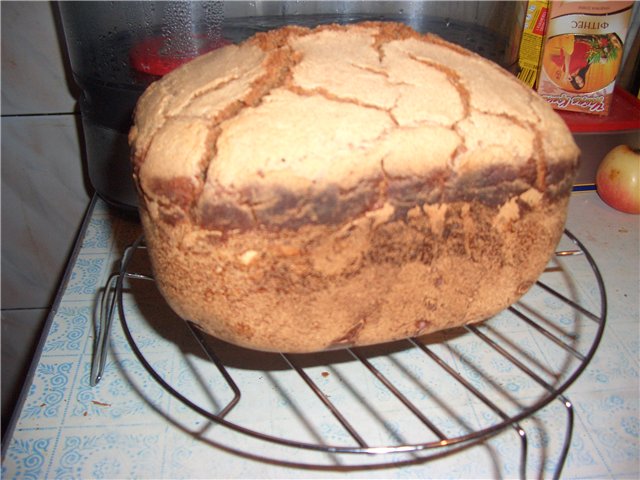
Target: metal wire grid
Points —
{"points": [[443, 444]]}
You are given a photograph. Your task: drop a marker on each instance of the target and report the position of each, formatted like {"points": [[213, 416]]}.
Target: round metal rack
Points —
{"points": [[392, 409]]}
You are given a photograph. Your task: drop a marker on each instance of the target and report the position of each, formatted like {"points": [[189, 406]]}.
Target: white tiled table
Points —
{"points": [[129, 427]]}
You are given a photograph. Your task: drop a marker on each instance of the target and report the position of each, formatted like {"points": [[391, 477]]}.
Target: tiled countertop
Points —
{"points": [[129, 427]]}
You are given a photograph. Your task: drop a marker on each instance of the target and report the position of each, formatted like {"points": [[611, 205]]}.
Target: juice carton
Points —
{"points": [[533, 30], [582, 54]]}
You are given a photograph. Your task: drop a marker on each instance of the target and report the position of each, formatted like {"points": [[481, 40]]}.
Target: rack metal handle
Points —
{"points": [[103, 329], [108, 303]]}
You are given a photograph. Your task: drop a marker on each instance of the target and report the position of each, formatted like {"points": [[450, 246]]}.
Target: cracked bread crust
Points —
{"points": [[313, 188]]}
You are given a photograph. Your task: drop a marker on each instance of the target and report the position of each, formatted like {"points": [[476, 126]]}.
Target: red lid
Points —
{"points": [[153, 55], [624, 114]]}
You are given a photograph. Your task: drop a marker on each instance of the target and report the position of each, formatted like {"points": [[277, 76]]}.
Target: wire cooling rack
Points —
{"points": [[399, 403]]}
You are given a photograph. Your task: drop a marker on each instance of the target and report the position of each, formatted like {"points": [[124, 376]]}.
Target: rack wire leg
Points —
{"points": [[567, 437], [523, 452], [107, 310]]}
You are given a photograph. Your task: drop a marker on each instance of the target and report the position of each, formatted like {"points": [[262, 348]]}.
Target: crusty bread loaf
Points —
{"points": [[316, 188]]}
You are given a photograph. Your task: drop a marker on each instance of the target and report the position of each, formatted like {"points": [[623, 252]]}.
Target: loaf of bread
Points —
{"points": [[311, 189]]}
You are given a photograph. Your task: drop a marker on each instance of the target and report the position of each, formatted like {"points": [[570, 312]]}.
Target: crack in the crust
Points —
{"points": [[393, 115], [141, 153], [460, 150], [323, 92], [452, 76], [382, 73], [284, 59], [388, 32], [179, 113], [212, 135], [454, 79], [370, 69], [456, 82], [279, 66], [212, 88], [537, 146]]}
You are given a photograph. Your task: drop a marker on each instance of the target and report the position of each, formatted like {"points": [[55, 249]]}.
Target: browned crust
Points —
{"points": [[222, 209], [333, 206]]}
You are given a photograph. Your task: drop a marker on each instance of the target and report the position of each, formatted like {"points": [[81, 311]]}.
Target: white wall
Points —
{"points": [[44, 194]]}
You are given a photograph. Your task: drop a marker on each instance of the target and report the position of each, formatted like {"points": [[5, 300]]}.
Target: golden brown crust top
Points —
{"points": [[282, 128]]}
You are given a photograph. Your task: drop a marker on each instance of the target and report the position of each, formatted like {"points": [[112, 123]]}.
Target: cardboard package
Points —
{"points": [[582, 54]]}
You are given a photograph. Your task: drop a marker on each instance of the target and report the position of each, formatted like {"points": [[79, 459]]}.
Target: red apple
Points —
{"points": [[618, 179]]}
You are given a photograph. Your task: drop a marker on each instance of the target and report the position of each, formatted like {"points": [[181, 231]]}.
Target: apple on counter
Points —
{"points": [[618, 179]]}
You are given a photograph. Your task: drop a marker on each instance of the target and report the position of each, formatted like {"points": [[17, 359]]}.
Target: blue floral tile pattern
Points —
{"points": [[48, 393], [626, 334], [99, 234], [612, 422], [110, 455], [26, 459], [611, 368], [69, 330], [111, 399], [86, 277]]}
